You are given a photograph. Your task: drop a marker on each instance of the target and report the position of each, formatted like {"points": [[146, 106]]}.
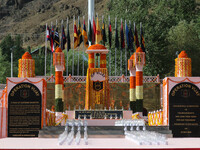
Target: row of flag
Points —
{"points": [[96, 34]]}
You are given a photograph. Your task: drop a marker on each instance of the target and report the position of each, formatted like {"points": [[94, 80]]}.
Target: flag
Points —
{"points": [[48, 34], [80, 38], [127, 31], [142, 38], [84, 33], [103, 33], [122, 36], [56, 39], [110, 33], [94, 32], [131, 38], [90, 32], [98, 32], [136, 41], [116, 36], [76, 38], [68, 38], [52, 39], [63, 39]]}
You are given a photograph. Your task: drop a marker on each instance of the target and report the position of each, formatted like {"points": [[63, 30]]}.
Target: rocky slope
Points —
{"points": [[28, 17]]}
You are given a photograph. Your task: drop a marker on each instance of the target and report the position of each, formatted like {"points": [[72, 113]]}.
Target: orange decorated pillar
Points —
{"points": [[139, 58], [183, 65], [103, 61], [26, 66], [91, 60], [131, 68], [59, 63]]}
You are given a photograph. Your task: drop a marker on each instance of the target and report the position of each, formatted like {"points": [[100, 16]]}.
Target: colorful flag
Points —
{"points": [[136, 41], [116, 36], [110, 33], [52, 39], [80, 38], [103, 33], [127, 31], [76, 38], [98, 32], [48, 34], [122, 36], [90, 32], [63, 39], [84, 33], [131, 38], [142, 38], [94, 32], [56, 39], [68, 38]]}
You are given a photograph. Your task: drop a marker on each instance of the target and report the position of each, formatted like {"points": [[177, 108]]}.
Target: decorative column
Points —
{"points": [[103, 61], [26, 66], [131, 68], [183, 65], [139, 58], [59, 63], [91, 60]]}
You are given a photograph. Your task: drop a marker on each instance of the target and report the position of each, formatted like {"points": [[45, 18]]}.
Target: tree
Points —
{"points": [[4, 68], [185, 36]]}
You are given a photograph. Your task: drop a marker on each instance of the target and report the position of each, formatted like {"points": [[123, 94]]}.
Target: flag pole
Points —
{"points": [[115, 47], [45, 69], [83, 49], [125, 49], [110, 49], [130, 40], [121, 51], [78, 51], [51, 57], [67, 49], [73, 54]]}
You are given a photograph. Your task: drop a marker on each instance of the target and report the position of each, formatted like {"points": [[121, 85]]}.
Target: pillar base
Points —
{"points": [[133, 106], [139, 105]]}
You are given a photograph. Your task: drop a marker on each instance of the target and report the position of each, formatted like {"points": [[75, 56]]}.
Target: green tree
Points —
{"points": [[4, 68], [185, 36]]}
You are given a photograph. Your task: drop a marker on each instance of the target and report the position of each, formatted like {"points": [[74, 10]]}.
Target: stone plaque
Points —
{"points": [[24, 110], [184, 110], [98, 114]]}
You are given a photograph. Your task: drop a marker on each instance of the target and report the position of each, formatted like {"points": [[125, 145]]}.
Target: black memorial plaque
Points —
{"points": [[184, 110], [24, 110], [98, 114]]}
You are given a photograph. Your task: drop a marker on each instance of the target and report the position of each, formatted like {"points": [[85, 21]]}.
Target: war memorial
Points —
{"points": [[48, 113]]}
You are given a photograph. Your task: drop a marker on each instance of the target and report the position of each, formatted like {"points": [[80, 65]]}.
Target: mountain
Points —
{"points": [[29, 17]]}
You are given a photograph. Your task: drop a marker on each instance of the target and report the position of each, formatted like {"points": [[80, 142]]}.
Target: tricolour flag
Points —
{"points": [[76, 38], [80, 38], [94, 31], [103, 33], [52, 39], [142, 38], [131, 38], [84, 33], [63, 39], [136, 41], [127, 31], [48, 34], [56, 39], [110, 33], [122, 36], [116, 35], [98, 32]]}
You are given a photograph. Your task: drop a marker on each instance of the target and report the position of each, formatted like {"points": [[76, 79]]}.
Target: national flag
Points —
{"points": [[142, 38], [68, 38], [76, 38], [98, 32], [90, 32], [94, 32], [127, 31], [110, 33], [56, 39], [103, 32], [116, 36], [84, 33], [131, 38], [48, 34], [63, 39], [80, 38], [122, 36], [136, 41], [52, 39]]}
